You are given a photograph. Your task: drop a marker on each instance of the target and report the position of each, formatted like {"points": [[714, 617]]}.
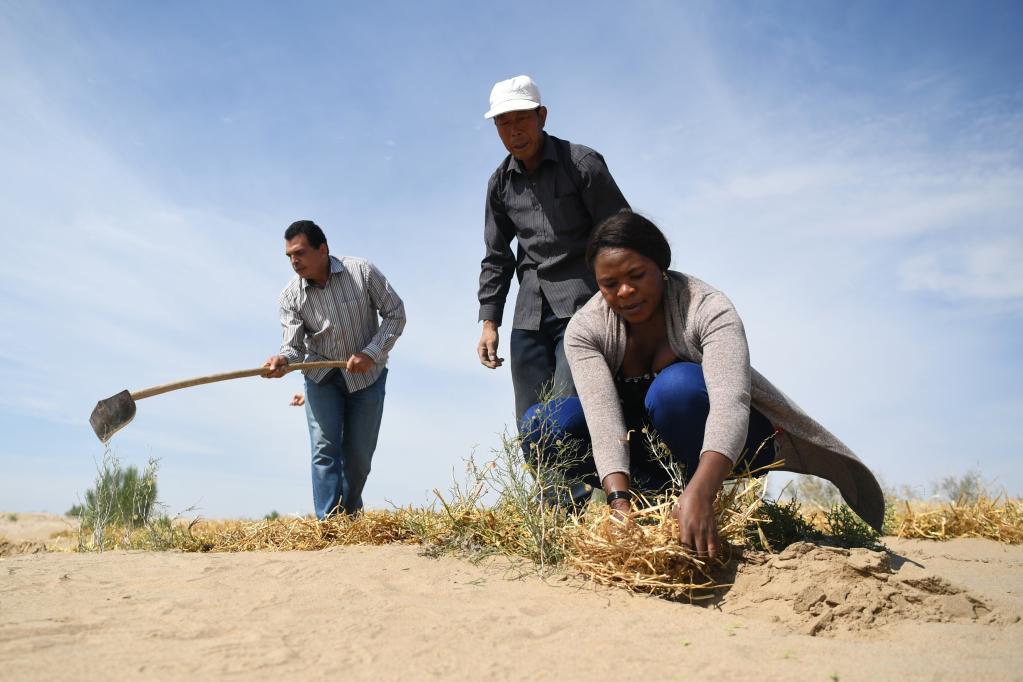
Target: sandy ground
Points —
{"points": [[34, 532], [926, 611]]}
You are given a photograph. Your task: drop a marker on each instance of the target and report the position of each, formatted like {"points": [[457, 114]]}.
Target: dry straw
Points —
{"points": [[503, 507], [993, 518], [641, 553], [305, 533]]}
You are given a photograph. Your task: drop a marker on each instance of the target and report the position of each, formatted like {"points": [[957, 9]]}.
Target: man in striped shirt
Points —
{"points": [[547, 195], [329, 311]]}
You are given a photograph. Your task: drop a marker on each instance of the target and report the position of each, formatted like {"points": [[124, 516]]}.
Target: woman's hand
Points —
{"points": [[697, 528], [620, 507], [694, 511]]}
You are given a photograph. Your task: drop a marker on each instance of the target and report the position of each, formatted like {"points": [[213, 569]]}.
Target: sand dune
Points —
{"points": [[925, 611]]}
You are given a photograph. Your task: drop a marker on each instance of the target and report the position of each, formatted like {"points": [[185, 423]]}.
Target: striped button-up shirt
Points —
{"points": [[339, 320], [551, 213]]}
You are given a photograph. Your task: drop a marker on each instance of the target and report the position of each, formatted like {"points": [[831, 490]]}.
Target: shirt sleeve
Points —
{"points": [[293, 344], [594, 384], [599, 191], [498, 263], [392, 313], [726, 371]]}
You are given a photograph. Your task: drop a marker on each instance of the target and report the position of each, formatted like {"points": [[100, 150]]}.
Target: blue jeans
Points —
{"points": [[343, 429], [676, 406], [537, 359]]}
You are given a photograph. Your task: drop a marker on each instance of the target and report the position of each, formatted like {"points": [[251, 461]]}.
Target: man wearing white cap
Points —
{"points": [[548, 195]]}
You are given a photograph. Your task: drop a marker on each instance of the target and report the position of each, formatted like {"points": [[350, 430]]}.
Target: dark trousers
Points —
{"points": [[676, 406], [538, 363]]}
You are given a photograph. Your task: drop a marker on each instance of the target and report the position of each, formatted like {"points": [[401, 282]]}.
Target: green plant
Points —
{"points": [[843, 528], [121, 501], [272, 516], [13, 518], [120, 495], [778, 525]]}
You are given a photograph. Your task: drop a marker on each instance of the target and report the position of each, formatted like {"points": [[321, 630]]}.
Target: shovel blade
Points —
{"points": [[111, 415]]}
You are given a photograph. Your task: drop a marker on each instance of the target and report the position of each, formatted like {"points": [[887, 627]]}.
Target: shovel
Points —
{"points": [[113, 414]]}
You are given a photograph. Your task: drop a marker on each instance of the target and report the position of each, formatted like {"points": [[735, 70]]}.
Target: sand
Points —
{"points": [[34, 532], [924, 611]]}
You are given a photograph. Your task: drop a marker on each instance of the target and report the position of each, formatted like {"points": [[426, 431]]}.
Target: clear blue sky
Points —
{"points": [[850, 174]]}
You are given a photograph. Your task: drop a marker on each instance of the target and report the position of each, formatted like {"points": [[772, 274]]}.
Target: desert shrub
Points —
{"points": [[120, 495], [121, 509], [778, 525], [967, 488], [843, 528]]}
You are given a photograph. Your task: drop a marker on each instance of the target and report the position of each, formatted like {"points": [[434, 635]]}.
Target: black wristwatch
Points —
{"points": [[619, 495]]}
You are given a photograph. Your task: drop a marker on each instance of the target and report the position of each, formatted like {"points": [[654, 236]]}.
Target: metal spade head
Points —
{"points": [[111, 415]]}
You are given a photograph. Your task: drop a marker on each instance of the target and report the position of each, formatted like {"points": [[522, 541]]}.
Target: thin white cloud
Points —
{"points": [[988, 270]]}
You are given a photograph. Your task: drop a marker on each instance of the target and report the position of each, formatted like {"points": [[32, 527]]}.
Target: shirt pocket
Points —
{"points": [[324, 318], [320, 332], [524, 211], [357, 312]]}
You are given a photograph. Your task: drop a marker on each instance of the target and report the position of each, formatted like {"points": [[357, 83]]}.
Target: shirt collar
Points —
{"points": [[335, 266], [550, 153]]}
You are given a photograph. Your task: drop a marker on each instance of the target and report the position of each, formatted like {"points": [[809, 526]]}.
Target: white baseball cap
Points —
{"points": [[514, 94]]}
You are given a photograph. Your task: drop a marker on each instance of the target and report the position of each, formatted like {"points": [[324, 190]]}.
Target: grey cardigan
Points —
{"points": [[703, 327]]}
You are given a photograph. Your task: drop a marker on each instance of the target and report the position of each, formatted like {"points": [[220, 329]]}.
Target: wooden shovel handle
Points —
{"points": [[240, 374]]}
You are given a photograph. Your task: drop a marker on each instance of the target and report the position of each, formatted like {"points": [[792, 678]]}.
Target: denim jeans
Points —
{"points": [[676, 406], [343, 429], [537, 359]]}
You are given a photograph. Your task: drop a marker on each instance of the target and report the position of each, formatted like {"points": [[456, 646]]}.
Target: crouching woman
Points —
{"points": [[661, 349]]}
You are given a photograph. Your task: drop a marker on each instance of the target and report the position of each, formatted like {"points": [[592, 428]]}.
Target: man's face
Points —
{"points": [[305, 260], [522, 134]]}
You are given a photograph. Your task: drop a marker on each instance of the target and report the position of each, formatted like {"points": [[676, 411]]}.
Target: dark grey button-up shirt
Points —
{"points": [[551, 214]]}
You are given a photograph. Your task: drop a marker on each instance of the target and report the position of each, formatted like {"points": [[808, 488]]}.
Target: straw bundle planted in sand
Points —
{"points": [[456, 528], [998, 518], [641, 552], [305, 533], [503, 508], [499, 510]]}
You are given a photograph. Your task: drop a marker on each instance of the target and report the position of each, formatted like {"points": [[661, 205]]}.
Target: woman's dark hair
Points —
{"points": [[311, 231], [628, 230]]}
